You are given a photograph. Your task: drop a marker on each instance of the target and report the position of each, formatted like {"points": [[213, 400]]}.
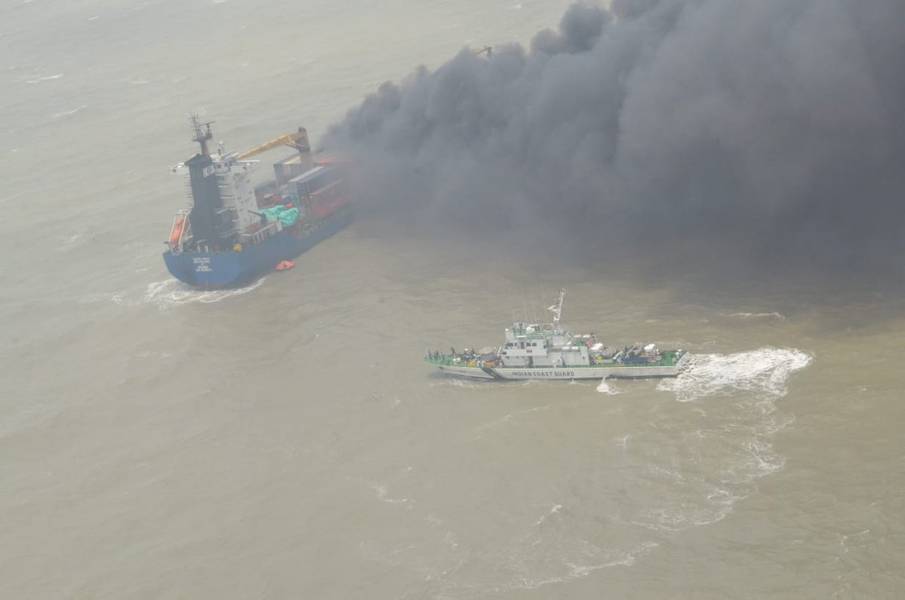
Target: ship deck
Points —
{"points": [[669, 358]]}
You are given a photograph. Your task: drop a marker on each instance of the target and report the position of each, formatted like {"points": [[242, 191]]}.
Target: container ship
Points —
{"points": [[549, 351], [235, 231]]}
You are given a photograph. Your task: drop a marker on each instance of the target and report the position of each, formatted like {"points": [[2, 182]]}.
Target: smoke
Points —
{"points": [[767, 132]]}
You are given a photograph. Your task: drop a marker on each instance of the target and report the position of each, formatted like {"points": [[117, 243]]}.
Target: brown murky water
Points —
{"points": [[285, 440]]}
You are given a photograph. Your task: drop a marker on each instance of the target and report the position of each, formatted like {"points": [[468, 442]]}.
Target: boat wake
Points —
{"points": [[684, 464], [706, 462], [172, 292], [763, 372], [606, 388]]}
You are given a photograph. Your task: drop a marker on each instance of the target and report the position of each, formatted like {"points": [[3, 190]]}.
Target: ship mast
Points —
{"points": [[556, 309], [202, 133]]}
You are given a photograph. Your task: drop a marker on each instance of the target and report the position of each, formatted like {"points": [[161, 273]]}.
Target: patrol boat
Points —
{"points": [[549, 351], [235, 232]]}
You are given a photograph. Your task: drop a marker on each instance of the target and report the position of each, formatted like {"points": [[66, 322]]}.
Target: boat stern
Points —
{"points": [[208, 270]]}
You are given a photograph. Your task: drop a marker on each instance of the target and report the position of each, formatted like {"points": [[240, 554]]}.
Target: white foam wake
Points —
{"points": [[764, 372], [172, 292], [605, 388], [703, 465]]}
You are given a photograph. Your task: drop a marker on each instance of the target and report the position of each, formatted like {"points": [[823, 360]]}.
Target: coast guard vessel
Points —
{"points": [[234, 231], [549, 351]]}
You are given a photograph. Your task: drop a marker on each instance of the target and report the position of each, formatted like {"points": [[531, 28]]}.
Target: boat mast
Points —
{"points": [[556, 309], [202, 133]]}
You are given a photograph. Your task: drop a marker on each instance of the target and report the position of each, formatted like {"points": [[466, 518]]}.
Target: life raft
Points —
{"points": [[176, 231]]}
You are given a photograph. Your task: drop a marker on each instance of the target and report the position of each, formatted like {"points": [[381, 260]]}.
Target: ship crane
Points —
{"points": [[297, 140]]}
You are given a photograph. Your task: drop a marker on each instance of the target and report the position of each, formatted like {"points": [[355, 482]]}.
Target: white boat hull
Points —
{"points": [[568, 373], [472, 372]]}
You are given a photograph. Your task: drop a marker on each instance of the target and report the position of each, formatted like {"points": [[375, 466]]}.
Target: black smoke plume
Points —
{"points": [[770, 132]]}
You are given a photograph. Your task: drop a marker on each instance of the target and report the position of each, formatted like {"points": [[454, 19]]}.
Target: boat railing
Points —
{"points": [[454, 360], [458, 360], [442, 359], [262, 234]]}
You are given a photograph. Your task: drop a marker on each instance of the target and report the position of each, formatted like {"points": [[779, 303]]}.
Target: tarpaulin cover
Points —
{"points": [[286, 216]]}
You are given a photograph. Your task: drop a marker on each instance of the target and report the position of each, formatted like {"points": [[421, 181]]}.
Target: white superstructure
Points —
{"points": [[236, 189]]}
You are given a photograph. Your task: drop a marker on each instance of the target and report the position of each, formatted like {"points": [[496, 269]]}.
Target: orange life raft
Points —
{"points": [[176, 232]]}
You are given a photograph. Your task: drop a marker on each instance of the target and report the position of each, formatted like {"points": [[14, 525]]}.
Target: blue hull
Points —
{"points": [[211, 270]]}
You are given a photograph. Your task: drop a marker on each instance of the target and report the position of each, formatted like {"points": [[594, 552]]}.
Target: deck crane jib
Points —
{"points": [[290, 167]]}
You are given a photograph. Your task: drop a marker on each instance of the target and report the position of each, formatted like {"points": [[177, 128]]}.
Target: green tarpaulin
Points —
{"points": [[286, 216]]}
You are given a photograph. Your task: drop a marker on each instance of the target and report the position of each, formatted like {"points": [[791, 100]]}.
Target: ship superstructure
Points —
{"points": [[549, 351], [236, 231]]}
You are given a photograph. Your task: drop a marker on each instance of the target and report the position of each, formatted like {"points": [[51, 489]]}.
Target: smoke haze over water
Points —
{"points": [[753, 130]]}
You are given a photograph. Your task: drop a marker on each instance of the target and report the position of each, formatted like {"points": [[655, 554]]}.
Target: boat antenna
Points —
{"points": [[556, 309], [202, 133]]}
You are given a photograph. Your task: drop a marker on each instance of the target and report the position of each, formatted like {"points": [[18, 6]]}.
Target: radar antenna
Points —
{"points": [[556, 309], [202, 133]]}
